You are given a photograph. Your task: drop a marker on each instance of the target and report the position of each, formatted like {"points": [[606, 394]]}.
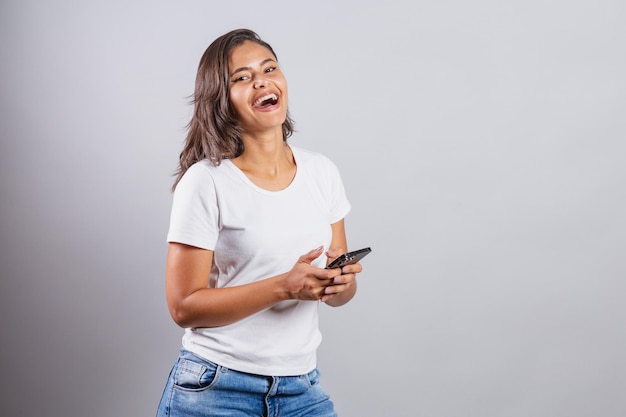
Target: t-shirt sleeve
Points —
{"points": [[194, 219], [339, 204]]}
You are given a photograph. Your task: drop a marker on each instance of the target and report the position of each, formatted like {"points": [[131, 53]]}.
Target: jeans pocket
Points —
{"points": [[193, 375]]}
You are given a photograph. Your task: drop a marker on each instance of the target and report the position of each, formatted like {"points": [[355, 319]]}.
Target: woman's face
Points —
{"points": [[258, 89]]}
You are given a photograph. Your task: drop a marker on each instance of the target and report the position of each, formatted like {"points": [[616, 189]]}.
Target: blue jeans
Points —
{"points": [[199, 388]]}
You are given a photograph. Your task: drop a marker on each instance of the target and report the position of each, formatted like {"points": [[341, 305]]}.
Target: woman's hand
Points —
{"points": [[306, 282], [344, 284]]}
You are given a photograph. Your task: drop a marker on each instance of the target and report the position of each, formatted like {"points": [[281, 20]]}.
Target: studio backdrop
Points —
{"points": [[482, 146]]}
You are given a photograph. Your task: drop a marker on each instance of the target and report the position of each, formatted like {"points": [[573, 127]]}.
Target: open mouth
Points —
{"points": [[266, 101]]}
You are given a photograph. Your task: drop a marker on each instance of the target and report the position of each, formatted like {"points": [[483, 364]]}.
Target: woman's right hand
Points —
{"points": [[307, 282]]}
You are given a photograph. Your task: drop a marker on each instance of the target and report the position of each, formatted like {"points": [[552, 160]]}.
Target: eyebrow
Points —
{"points": [[265, 61]]}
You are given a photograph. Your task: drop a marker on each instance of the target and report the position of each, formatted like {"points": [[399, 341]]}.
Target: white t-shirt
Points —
{"points": [[257, 234]]}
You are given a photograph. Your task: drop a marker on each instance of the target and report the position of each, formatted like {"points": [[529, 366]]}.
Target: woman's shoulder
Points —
{"points": [[198, 174], [317, 167], [204, 165], [309, 157], [204, 168]]}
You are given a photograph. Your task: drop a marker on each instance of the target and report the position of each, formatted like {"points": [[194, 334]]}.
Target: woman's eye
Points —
{"points": [[242, 78], [270, 69]]}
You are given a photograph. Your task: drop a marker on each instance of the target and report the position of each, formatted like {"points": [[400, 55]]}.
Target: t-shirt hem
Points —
{"points": [[186, 240], [343, 213], [250, 368]]}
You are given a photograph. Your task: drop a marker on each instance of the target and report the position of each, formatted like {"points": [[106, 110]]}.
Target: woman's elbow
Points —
{"points": [[180, 315]]}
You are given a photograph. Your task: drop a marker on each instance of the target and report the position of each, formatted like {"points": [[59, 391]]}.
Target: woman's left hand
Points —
{"points": [[344, 284]]}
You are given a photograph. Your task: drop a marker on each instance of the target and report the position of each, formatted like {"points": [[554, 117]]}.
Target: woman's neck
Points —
{"points": [[267, 163]]}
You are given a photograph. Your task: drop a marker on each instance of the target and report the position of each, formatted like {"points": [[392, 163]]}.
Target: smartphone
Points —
{"points": [[349, 258]]}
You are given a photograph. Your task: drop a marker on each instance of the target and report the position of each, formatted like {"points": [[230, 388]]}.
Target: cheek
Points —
{"points": [[236, 100], [286, 96], [285, 92]]}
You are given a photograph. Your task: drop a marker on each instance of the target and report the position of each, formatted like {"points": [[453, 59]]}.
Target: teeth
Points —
{"points": [[260, 100]]}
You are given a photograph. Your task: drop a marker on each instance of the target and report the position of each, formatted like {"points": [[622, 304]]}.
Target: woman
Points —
{"points": [[242, 276]]}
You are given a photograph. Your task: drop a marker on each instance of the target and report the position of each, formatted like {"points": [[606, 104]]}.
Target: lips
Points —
{"points": [[266, 101]]}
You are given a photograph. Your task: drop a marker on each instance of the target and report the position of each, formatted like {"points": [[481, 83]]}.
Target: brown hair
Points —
{"points": [[214, 132]]}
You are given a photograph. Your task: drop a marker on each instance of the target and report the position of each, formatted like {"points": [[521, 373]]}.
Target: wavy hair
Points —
{"points": [[214, 132]]}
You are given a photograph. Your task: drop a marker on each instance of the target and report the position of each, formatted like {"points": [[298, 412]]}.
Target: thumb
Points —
{"points": [[311, 255]]}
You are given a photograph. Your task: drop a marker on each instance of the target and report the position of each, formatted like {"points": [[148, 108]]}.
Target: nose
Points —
{"points": [[260, 82]]}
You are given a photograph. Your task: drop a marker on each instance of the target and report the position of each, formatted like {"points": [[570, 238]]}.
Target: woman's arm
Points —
{"points": [[192, 304], [344, 285]]}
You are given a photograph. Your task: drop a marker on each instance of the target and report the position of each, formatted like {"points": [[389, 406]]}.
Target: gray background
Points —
{"points": [[482, 146]]}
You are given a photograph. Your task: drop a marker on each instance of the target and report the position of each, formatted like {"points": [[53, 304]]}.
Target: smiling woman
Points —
{"points": [[214, 130], [242, 277], [258, 90]]}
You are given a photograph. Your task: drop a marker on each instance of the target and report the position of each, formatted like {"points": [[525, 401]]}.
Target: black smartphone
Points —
{"points": [[349, 258]]}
